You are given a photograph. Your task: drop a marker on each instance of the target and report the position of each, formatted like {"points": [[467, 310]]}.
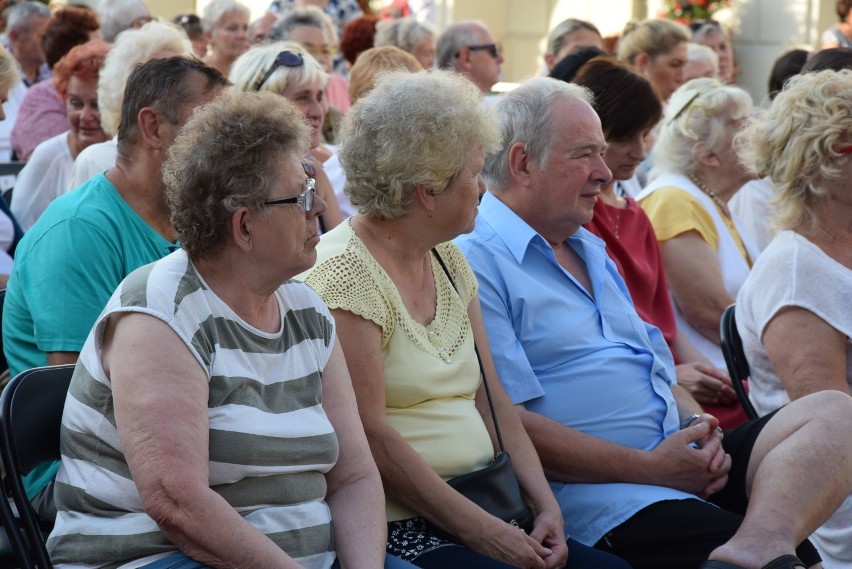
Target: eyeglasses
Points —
{"points": [[305, 200], [188, 20], [285, 59], [492, 49], [844, 150]]}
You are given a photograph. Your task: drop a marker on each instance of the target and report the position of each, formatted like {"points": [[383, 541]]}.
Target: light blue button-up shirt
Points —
{"points": [[586, 361]]}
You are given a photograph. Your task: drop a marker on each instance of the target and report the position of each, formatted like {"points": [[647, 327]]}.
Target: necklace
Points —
{"points": [[719, 203]]}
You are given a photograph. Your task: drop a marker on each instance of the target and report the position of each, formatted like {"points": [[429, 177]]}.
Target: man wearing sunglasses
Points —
{"points": [[469, 48]]}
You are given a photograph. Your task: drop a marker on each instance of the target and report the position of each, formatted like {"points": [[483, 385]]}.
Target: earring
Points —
{"points": [[430, 213]]}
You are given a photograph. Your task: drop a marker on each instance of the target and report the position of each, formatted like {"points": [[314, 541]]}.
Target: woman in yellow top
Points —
{"points": [[706, 253], [412, 150]]}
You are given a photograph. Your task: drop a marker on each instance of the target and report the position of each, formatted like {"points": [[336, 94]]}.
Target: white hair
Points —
{"points": [[216, 10], [251, 66], [119, 15]]}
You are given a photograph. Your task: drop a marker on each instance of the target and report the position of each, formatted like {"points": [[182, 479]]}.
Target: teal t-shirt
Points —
{"points": [[66, 268]]}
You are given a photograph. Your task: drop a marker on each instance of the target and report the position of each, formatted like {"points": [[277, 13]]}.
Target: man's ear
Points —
{"points": [[549, 61], [149, 121], [519, 163]]}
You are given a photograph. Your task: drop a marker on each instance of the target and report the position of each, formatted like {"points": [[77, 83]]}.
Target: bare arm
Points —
{"points": [[162, 421], [60, 358], [355, 493], [405, 475], [695, 279], [549, 527], [819, 360]]}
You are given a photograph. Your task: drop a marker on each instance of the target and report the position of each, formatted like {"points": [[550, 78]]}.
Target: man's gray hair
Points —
{"points": [[525, 116], [284, 26], [404, 33], [458, 35], [558, 34], [20, 14]]}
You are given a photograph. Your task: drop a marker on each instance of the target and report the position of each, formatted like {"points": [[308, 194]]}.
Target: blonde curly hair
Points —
{"points": [[796, 141]]}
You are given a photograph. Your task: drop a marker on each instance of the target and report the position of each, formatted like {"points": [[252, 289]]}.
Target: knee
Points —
{"points": [[832, 404]]}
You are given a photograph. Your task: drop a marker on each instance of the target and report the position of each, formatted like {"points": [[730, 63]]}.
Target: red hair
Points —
{"points": [[83, 61], [358, 36]]}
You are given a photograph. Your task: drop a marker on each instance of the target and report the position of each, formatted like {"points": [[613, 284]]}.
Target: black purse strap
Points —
{"points": [[478, 358]]}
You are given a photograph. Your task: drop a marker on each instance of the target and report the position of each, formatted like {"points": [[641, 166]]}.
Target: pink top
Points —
{"points": [[337, 91], [41, 116]]}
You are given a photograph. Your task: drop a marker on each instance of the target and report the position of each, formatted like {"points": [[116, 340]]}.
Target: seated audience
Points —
{"points": [[706, 252], [70, 262], [840, 34], [408, 34], [797, 294], [409, 329], [191, 24], [214, 456], [601, 404], [657, 49], [628, 109], [225, 23], [120, 15], [42, 114], [288, 70], [46, 175], [701, 62], [711, 34], [132, 48], [569, 36], [358, 36]]}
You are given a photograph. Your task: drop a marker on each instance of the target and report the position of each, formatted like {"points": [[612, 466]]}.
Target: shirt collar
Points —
{"points": [[515, 232]]}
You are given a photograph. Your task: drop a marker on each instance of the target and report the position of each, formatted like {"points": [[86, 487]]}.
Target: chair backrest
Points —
{"points": [[30, 420], [732, 349], [4, 365]]}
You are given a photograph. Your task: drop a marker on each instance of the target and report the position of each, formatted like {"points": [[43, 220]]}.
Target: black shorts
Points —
{"points": [[680, 534]]}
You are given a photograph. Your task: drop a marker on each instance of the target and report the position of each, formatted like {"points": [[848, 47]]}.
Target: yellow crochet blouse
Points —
{"points": [[430, 372]]}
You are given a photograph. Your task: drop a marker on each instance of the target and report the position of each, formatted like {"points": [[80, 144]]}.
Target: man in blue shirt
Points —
{"points": [[630, 454]]}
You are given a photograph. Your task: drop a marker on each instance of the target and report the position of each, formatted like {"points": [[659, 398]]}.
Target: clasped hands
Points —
{"points": [[701, 469]]}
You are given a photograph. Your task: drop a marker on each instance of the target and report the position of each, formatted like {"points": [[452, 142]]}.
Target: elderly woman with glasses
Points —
{"points": [[706, 252], [798, 291], [405, 301], [211, 421], [288, 70]]}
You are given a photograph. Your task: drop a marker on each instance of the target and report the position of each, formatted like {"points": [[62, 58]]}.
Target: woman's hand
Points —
{"points": [[550, 532], [496, 539], [707, 384]]}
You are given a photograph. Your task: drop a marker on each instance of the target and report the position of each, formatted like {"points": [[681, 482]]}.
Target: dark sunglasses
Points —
{"points": [[698, 24], [285, 59], [492, 49]]}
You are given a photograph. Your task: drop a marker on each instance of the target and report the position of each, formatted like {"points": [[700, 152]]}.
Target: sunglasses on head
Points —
{"points": [[189, 20], [492, 49], [285, 59]]}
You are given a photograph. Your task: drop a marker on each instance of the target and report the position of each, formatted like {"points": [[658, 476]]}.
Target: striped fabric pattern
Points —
{"points": [[270, 440]]}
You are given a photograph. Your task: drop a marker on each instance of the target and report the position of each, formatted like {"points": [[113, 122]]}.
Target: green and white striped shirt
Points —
{"points": [[270, 440]]}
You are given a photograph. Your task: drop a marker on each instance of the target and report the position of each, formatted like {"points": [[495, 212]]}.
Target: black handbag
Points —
{"points": [[494, 488]]}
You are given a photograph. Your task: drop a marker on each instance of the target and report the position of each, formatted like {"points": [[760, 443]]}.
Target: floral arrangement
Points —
{"points": [[686, 11]]}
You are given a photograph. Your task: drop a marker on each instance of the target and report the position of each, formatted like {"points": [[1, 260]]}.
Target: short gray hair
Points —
{"points": [[119, 15], [308, 16], [404, 33], [251, 66], [700, 52], [227, 156], [131, 48], [456, 36], [19, 15], [795, 142], [411, 129], [526, 116], [565, 28], [699, 112], [216, 10]]}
